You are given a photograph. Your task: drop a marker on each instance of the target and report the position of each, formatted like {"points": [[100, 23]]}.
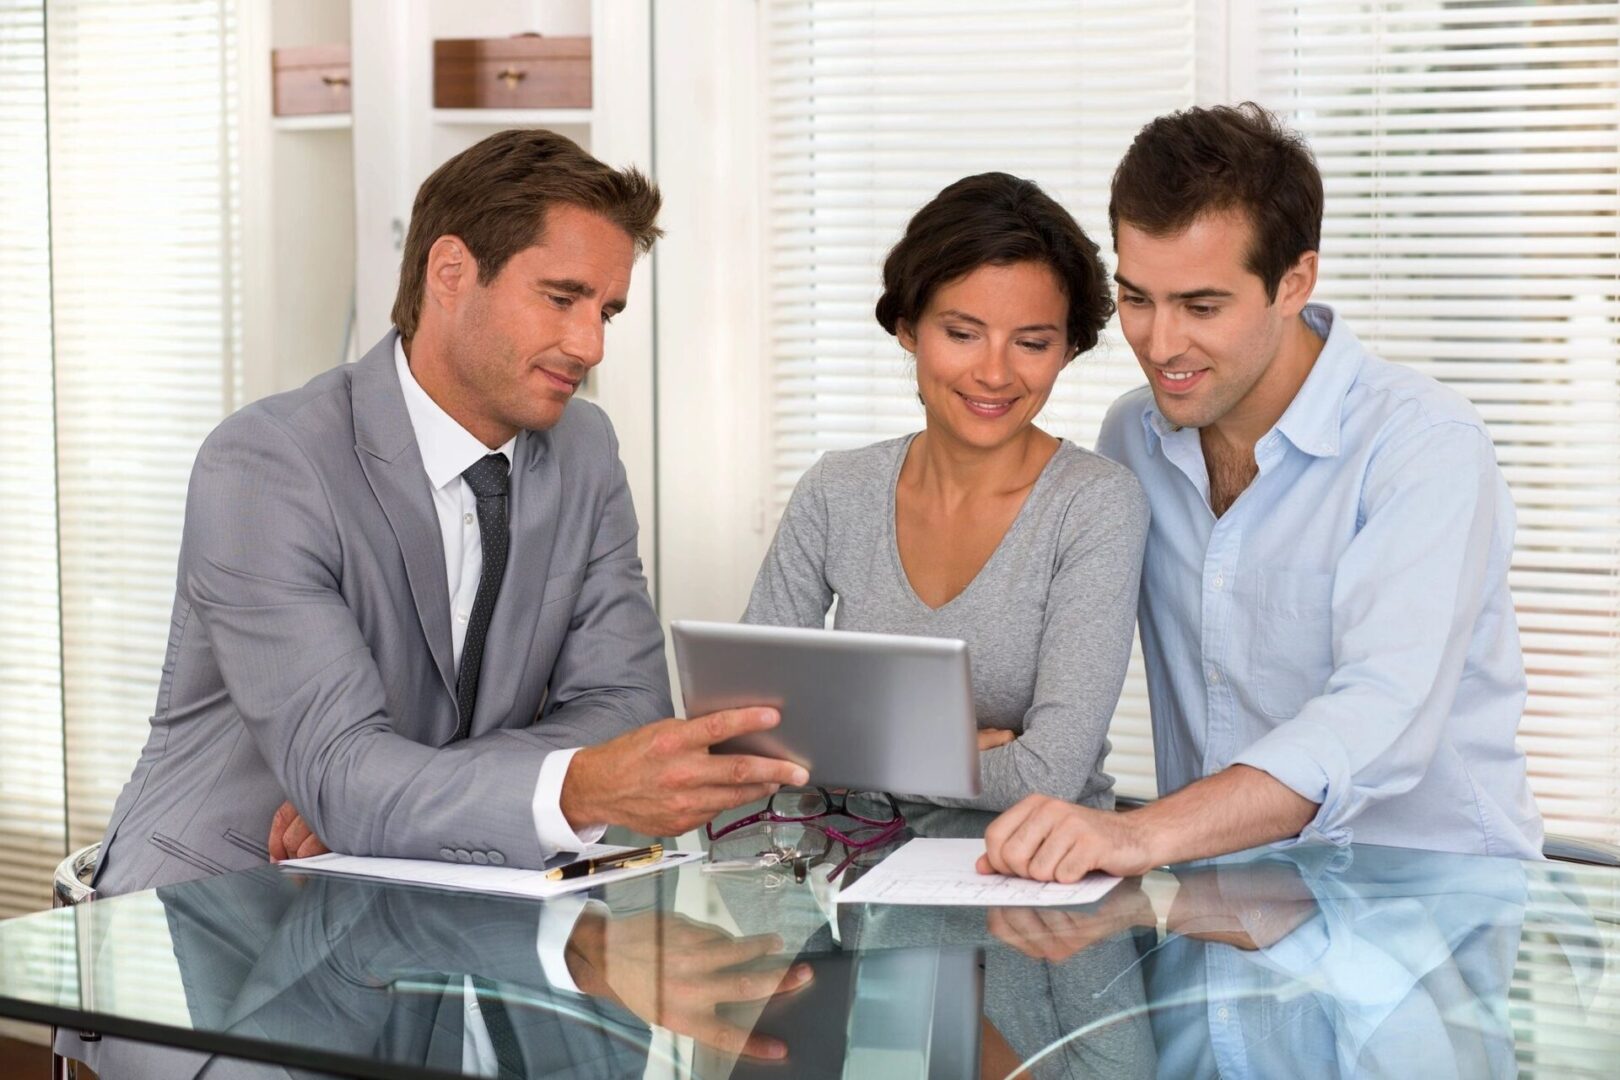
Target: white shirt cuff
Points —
{"points": [[557, 918], [549, 824]]}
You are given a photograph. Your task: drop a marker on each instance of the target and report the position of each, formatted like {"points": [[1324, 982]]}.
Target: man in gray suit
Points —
{"points": [[410, 610]]}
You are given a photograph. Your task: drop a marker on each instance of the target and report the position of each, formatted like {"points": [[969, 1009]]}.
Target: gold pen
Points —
{"points": [[639, 857]]}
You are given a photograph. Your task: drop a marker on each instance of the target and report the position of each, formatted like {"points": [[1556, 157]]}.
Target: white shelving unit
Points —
{"points": [[327, 199], [510, 118], [298, 213], [318, 122]]}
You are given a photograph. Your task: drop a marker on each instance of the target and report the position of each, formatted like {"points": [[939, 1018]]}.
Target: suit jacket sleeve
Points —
{"points": [[261, 566], [609, 676]]}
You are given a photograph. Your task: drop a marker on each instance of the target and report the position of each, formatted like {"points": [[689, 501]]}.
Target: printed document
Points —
{"points": [[504, 880], [941, 873]]}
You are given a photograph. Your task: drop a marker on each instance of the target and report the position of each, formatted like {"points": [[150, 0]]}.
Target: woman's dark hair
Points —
{"points": [[994, 219], [1226, 157]]}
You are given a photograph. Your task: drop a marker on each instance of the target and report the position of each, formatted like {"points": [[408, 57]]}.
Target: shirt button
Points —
{"points": [[466, 519], [1222, 1013], [1220, 579], [461, 616], [1214, 675]]}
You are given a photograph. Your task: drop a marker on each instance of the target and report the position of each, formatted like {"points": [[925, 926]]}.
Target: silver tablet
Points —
{"points": [[871, 712]]}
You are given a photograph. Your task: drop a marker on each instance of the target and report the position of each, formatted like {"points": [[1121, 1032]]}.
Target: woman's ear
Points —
{"points": [[906, 334]]}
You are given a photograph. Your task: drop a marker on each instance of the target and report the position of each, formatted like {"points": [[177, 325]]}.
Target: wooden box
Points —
{"points": [[523, 72], [309, 80]]}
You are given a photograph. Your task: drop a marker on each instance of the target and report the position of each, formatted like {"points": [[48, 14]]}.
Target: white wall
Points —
{"points": [[711, 292]]}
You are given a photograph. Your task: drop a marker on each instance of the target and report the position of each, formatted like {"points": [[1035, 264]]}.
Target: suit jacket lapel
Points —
{"points": [[534, 504], [385, 443]]}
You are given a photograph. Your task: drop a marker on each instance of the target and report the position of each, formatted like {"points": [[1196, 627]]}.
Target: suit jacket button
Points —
{"points": [[447, 853], [497, 859], [463, 855], [480, 858]]}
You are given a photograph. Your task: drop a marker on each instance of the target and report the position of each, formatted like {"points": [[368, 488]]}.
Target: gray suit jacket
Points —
{"points": [[309, 654]]}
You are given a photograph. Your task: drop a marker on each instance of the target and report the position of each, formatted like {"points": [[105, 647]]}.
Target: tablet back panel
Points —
{"points": [[870, 712]]}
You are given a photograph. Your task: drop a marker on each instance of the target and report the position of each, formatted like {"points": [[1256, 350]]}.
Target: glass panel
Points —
{"points": [[32, 834], [1313, 960], [143, 189]]}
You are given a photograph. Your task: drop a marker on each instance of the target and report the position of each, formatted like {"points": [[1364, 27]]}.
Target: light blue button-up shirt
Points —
{"points": [[1346, 625]]}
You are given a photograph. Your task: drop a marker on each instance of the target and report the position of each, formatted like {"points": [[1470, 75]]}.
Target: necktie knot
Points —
{"points": [[487, 476]]}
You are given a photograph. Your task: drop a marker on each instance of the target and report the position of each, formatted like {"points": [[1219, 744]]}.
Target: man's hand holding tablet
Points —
{"points": [[661, 779]]}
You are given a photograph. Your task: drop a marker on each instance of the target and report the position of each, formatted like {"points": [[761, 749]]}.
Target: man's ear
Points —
{"points": [[1297, 284], [906, 334], [452, 272]]}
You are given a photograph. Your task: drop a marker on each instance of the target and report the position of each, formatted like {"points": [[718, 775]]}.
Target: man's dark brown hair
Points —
{"points": [[1224, 158], [494, 196], [995, 219]]}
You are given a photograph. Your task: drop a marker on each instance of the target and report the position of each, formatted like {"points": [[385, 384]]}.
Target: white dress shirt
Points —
{"points": [[448, 450]]}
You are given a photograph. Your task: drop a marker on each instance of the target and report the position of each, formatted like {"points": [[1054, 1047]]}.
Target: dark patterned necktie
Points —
{"points": [[509, 1061], [488, 479]]}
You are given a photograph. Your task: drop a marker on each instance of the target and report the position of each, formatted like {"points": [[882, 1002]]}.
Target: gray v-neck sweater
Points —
{"points": [[1048, 620]]}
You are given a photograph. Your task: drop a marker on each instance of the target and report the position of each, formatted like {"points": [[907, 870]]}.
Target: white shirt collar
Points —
{"points": [[447, 448]]}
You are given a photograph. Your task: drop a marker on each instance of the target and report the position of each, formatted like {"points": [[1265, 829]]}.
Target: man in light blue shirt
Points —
{"points": [[1331, 645]]}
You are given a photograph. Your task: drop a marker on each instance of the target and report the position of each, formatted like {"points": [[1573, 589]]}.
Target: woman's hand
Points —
{"points": [[990, 738]]}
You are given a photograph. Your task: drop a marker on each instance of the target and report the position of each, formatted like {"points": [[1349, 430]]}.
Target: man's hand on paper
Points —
{"points": [[291, 837], [1055, 934], [676, 973], [661, 779], [990, 738], [1048, 839]]}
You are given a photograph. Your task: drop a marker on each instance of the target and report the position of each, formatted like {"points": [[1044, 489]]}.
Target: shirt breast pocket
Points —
{"points": [[1292, 648]]}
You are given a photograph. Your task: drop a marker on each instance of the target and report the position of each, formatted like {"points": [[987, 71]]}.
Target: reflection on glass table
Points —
{"points": [[1315, 961]]}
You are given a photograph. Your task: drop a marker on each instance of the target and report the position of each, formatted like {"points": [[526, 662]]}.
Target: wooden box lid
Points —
{"points": [[309, 56], [518, 47]]}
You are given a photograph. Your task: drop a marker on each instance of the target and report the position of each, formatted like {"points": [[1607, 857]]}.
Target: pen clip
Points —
{"points": [[645, 860]]}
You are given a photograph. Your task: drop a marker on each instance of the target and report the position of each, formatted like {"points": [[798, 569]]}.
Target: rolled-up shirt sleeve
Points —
{"points": [[1407, 593]]}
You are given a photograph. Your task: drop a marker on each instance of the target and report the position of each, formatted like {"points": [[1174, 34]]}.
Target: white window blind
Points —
{"points": [[118, 350], [143, 191], [32, 833], [876, 106], [1471, 155]]}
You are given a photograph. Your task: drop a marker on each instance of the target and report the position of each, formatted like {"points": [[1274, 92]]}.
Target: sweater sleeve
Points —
{"points": [[791, 588]]}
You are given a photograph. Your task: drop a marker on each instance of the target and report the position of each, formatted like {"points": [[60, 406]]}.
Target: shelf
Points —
{"points": [[512, 117], [315, 122]]}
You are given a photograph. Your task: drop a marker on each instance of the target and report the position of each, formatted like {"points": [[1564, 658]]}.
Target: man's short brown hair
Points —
{"points": [[1224, 158], [494, 196]]}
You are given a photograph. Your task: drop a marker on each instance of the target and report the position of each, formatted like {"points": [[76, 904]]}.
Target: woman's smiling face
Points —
{"points": [[989, 347]]}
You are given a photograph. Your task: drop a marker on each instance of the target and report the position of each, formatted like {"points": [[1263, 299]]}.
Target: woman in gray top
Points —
{"points": [[982, 526]]}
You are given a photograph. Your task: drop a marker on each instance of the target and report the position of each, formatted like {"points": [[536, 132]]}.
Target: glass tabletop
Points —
{"points": [[1310, 960]]}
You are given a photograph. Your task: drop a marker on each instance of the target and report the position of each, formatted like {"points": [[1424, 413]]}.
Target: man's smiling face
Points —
{"points": [[1200, 322], [523, 342]]}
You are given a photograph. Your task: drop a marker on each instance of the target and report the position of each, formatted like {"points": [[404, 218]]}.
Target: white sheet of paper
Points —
{"points": [[941, 873], [504, 880]]}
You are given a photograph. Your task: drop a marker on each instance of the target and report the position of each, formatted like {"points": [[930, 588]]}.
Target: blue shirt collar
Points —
{"points": [[1312, 420]]}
